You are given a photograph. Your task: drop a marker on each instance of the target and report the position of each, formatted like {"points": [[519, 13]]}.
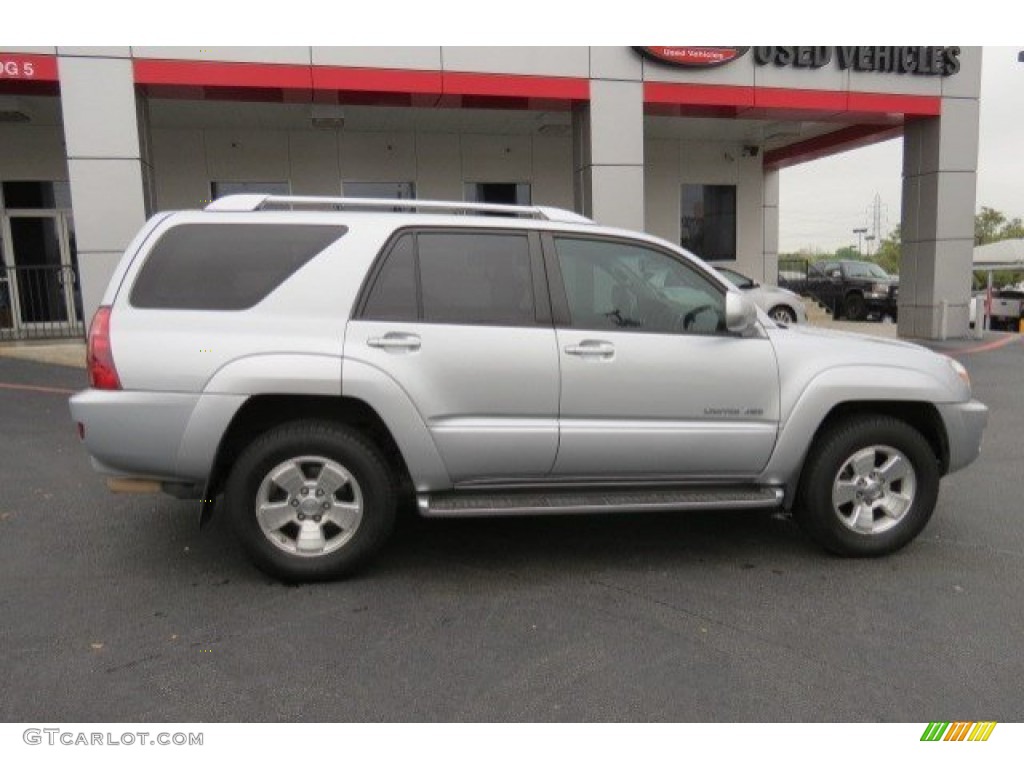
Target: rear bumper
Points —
{"points": [[155, 435], [965, 423]]}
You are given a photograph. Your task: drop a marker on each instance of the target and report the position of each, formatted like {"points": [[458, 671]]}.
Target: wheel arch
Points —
{"points": [[923, 416], [261, 413]]}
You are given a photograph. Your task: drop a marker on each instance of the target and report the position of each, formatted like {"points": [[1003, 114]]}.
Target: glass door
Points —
{"points": [[40, 288]]}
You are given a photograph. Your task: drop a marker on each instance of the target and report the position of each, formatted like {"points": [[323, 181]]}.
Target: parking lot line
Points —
{"points": [[32, 388], [987, 347]]}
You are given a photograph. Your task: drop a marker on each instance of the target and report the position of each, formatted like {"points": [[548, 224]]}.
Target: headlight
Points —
{"points": [[879, 289], [960, 371]]}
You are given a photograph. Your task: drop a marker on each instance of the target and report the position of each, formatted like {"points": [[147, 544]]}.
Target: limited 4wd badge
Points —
{"points": [[692, 55]]}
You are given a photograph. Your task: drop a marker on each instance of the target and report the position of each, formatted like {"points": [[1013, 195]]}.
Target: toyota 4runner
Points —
{"points": [[315, 361]]}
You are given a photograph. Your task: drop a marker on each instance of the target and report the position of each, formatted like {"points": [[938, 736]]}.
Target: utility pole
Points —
{"points": [[869, 239], [876, 217], [860, 232]]}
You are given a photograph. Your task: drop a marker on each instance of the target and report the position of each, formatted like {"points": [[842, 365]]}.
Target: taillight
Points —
{"points": [[100, 358]]}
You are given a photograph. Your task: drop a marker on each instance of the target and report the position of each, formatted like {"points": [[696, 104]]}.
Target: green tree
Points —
{"points": [[847, 252], [991, 226], [987, 224], [888, 254]]}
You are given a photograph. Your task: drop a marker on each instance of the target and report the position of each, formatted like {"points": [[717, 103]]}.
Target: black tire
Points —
{"points": [[782, 314], [833, 526], [854, 307], [370, 486]]}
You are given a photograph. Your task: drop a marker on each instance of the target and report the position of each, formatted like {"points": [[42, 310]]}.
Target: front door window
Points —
{"points": [[619, 286]]}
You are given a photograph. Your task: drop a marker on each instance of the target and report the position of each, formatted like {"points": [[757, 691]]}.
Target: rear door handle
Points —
{"points": [[591, 348], [395, 341]]}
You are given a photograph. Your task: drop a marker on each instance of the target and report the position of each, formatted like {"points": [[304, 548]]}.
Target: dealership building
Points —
{"points": [[684, 142]]}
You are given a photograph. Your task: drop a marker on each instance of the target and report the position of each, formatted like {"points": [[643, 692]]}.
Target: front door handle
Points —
{"points": [[591, 348], [407, 342]]}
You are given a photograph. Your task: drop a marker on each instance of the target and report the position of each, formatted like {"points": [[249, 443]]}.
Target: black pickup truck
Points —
{"points": [[854, 290]]}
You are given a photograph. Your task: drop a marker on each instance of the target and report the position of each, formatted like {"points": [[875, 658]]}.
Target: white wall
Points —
{"points": [[186, 160]]}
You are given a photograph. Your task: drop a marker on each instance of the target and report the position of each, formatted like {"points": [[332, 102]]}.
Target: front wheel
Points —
{"points": [[782, 314], [311, 500], [854, 307], [869, 487]]}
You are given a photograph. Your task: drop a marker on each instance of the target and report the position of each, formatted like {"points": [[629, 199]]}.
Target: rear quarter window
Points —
{"points": [[226, 266]]}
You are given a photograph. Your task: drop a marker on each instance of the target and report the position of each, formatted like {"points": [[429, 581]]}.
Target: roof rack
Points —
{"points": [[245, 203]]}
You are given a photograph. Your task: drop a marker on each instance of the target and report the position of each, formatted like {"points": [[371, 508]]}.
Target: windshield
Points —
{"points": [[865, 269]]}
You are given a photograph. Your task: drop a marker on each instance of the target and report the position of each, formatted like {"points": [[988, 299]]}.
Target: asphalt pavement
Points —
{"points": [[118, 608]]}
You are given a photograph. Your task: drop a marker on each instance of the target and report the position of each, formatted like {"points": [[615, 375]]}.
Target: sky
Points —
{"points": [[822, 202]]}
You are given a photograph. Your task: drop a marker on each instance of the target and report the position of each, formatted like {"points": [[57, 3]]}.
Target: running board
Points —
{"points": [[564, 502]]}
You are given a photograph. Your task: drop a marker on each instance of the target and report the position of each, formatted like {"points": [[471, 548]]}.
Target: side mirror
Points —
{"points": [[740, 313]]}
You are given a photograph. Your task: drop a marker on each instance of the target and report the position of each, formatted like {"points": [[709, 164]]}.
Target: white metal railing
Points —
{"points": [[244, 203], [40, 302]]}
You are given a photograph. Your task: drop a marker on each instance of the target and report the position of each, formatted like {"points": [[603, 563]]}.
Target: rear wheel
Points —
{"points": [[311, 500], [869, 487]]}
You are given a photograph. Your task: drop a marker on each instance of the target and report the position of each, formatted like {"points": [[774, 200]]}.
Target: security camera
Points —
{"points": [[750, 150]]}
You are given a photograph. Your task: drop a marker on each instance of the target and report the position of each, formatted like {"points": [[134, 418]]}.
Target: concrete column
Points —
{"points": [[609, 154], [750, 224], [107, 142], [940, 160], [770, 217]]}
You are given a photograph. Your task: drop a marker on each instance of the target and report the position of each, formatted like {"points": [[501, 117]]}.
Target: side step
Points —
{"points": [[564, 502]]}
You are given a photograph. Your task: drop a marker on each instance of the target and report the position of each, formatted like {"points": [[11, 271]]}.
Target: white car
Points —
{"points": [[782, 306]]}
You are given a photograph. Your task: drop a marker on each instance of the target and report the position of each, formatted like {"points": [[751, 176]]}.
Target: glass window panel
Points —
{"points": [[618, 286], [476, 278], [708, 221]]}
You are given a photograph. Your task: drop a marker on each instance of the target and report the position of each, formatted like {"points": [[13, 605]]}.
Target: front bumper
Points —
{"points": [[881, 305], [965, 423]]}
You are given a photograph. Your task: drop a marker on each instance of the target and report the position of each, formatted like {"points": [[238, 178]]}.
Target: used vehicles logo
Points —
{"points": [[692, 56]]}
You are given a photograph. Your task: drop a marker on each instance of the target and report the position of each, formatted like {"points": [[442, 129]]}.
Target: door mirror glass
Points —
{"points": [[740, 313]]}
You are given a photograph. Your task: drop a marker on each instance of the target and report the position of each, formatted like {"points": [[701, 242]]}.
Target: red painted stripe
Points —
{"points": [[987, 347], [221, 74], [516, 86], [794, 98], [852, 137], [699, 95], [376, 80], [745, 96], [164, 72], [27, 67], [213, 74], [895, 103]]}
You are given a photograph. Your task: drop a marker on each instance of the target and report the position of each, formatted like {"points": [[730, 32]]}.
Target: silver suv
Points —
{"points": [[316, 361]]}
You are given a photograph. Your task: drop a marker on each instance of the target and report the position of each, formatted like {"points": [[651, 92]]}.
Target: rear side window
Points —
{"points": [[466, 278], [476, 278], [394, 293], [226, 266]]}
